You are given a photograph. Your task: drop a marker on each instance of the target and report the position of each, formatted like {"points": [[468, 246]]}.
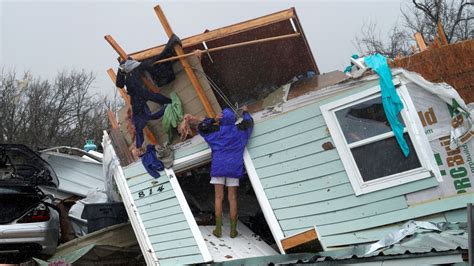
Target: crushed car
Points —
{"points": [[29, 222]]}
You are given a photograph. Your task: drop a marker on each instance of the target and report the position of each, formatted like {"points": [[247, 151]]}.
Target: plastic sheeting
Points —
{"points": [[110, 165], [392, 104], [462, 129]]}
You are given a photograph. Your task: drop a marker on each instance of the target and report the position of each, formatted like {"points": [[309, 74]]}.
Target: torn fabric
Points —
{"points": [[391, 101]]}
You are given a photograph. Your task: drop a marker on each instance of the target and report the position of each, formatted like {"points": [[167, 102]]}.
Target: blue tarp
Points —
{"points": [[392, 104]]}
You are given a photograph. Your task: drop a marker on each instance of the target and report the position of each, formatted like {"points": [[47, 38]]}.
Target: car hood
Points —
{"points": [[21, 165]]}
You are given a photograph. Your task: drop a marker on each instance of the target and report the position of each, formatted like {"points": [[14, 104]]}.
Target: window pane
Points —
{"points": [[384, 158], [363, 120]]}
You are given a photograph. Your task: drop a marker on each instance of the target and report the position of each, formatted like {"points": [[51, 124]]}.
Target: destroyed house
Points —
{"points": [[322, 161]]}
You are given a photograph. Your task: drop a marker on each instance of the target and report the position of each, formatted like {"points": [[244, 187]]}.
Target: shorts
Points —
{"points": [[227, 181]]}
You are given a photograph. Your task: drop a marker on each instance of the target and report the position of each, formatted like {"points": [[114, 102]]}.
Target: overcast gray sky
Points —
{"points": [[46, 37]]}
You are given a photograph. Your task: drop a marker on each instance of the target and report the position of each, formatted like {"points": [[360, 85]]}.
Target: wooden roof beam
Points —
{"points": [[221, 32], [184, 61]]}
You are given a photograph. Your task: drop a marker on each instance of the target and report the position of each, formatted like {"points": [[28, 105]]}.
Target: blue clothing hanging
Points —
{"points": [[151, 163]]}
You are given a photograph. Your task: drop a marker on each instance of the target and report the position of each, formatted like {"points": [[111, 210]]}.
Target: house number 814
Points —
{"points": [[143, 193]]}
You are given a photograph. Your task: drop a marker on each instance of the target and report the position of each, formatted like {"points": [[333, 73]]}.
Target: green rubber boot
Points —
{"points": [[233, 228], [218, 231]]}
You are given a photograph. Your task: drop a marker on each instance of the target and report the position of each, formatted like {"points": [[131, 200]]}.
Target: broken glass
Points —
{"points": [[363, 120]]}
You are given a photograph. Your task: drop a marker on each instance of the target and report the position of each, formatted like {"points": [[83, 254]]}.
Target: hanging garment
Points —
{"points": [[130, 75], [227, 142], [392, 104], [151, 163], [163, 73], [173, 115], [188, 127]]}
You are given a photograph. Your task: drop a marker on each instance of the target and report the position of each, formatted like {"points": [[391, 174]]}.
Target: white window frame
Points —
{"points": [[412, 126]]}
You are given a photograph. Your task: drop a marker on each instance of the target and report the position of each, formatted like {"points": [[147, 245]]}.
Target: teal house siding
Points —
{"points": [[162, 217], [307, 186]]}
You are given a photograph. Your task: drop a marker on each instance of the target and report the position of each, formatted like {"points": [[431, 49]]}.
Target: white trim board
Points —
{"points": [[132, 211], [263, 201], [189, 216]]}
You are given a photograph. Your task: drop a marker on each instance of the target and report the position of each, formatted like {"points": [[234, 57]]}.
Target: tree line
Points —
{"points": [[42, 113], [456, 17]]}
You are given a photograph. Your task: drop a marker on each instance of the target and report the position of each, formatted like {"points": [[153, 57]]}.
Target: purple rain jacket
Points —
{"points": [[227, 142]]}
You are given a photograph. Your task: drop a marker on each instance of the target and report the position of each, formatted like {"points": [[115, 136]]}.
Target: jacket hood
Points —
{"points": [[21, 165], [129, 65], [228, 117]]}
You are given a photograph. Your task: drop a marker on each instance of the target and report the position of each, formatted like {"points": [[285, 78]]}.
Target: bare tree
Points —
{"points": [[41, 114], [456, 16]]}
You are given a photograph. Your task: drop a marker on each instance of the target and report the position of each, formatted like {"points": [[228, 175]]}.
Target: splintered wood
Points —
{"points": [[453, 64]]}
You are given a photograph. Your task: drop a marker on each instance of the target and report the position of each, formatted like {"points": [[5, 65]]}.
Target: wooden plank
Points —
{"points": [[420, 41], [416, 211], [182, 260], [441, 35], [149, 191], [353, 201], [299, 239], [160, 205], [171, 219], [353, 213], [112, 119], [290, 141], [167, 212], [121, 147], [178, 252], [295, 165], [291, 153], [150, 184], [221, 32], [135, 170], [127, 169], [303, 174], [146, 201], [181, 153], [291, 130], [163, 238], [321, 182], [184, 242], [229, 46], [168, 228], [145, 179], [286, 119], [317, 195], [184, 61]]}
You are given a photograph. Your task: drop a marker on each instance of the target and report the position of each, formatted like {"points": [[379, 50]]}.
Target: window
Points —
{"points": [[367, 146]]}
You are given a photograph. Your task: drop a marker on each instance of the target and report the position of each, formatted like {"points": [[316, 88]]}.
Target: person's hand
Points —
{"points": [[198, 53]]}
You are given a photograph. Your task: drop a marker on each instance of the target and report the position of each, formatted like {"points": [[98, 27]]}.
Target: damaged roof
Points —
{"points": [[255, 69]]}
